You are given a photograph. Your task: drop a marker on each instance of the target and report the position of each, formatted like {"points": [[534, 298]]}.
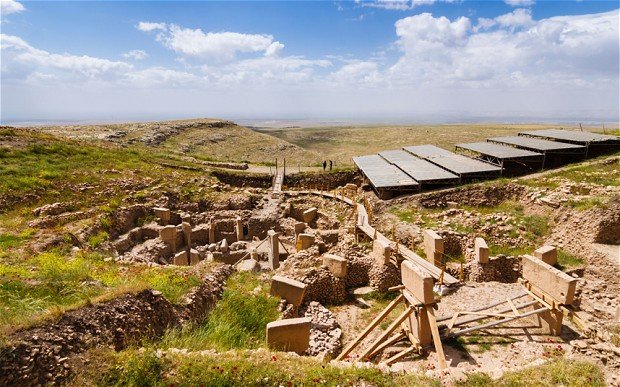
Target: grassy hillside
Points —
{"points": [[93, 179], [205, 139]]}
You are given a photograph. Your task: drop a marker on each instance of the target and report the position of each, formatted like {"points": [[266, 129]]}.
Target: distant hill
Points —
{"points": [[206, 139]]}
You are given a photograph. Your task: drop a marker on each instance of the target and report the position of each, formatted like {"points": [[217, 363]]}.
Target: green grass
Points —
{"points": [[238, 321], [606, 174], [96, 240], [567, 260], [560, 372], [52, 282], [235, 368], [9, 241], [588, 203]]}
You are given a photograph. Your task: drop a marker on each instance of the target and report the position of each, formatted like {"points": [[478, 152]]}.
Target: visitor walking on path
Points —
{"points": [[330, 165], [324, 165]]}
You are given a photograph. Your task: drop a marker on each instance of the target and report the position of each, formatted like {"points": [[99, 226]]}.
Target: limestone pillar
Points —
{"points": [[274, 249], [187, 234], [239, 229]]}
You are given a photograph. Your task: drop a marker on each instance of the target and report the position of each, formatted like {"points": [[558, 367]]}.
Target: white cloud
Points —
{"points": [[416, 3], [10, 6], [265, 70], [357, 73], [563, 67], [520, 3], [136, 55], [520, 17], [160, 76], [148, 26], [401, 5], [220, 46], [574, 50], [19, 55]]}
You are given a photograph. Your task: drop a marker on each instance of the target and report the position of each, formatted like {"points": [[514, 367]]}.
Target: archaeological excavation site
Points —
{"points": [[123, 266]]}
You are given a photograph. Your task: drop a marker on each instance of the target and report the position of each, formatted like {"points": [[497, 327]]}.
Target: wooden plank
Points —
{"points": [[513, 307], [478, 318], [444, 318], [400, 355], [550, 280], [419, 261], [394, 339], [370, 327], [436, 338], [395, 324], [494, 323]]}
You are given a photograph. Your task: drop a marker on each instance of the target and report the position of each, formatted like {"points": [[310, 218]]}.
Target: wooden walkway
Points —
{"points": [[278, 181], [363, 224]]}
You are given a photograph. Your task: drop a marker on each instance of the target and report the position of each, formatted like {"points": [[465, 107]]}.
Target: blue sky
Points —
{"points": [[419, 60]]}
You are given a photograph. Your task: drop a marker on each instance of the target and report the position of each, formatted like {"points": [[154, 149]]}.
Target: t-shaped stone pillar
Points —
{"points": [[274, 249], [168, 235], [433, 247], [187, 235], [239, 228], [212, 231]]}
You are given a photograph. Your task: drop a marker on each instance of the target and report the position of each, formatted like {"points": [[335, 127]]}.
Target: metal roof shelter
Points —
{"points": [[571, 136], [463, 166], [545, 147], [502, 154], [422, 171], [536, 145], [594, 142], [383, 175]]}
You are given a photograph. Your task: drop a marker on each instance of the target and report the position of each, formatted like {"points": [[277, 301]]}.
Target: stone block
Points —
{"points": [[309, 215], [187, 234], [200, 235], [433, 247], [418, 282], [224, 246], [481, 250], [289, 289], [180, 259], [249, 265], [336, 265], [382, 251], [550, 280], [168, 235], [548, 254], [163, 214], [289, 335], [452, 205], [299, 228], [330, 237], [304, 241], [194, 257]]}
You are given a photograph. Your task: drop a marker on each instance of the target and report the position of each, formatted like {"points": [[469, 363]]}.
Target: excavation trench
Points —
{"points": [[47, 354]]}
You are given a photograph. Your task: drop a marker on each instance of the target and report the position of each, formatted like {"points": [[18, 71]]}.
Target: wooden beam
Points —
{"points": [[474, 319], [394, 339], [444, 318], [514, 308], [494, 323], [400, 355], [395, 324], [370, 327], [436, 338]]}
